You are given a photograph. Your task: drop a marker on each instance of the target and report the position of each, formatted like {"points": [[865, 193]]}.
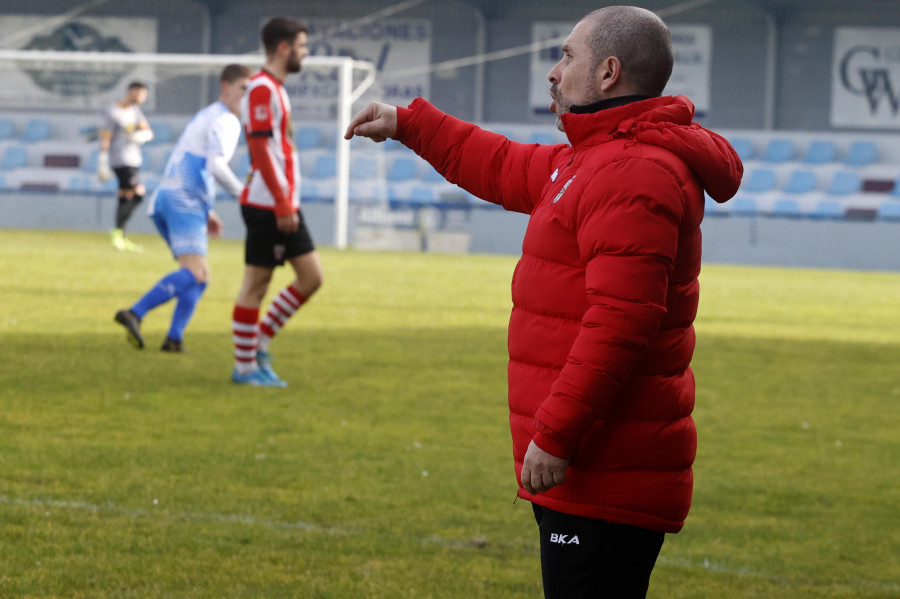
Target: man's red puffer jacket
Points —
{"points": [[604, 296]]}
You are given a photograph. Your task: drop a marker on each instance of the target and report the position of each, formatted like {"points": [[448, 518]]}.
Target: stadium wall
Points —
{"points": [[726, 240]]}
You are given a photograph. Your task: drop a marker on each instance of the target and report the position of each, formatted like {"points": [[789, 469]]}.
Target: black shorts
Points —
{"points": [[268, 247], [128, 177]]}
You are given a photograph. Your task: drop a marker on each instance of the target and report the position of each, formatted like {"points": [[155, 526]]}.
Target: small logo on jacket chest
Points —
{"points": [[564, 188]]}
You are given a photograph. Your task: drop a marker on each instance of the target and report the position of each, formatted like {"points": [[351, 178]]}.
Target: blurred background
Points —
{"points": [[808, 91]]}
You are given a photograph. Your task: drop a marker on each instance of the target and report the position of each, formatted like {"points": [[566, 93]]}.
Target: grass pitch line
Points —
{"points": [[478, 542], [167, 515]]}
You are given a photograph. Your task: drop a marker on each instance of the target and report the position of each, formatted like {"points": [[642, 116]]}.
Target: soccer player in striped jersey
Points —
{"points": [[182, 208], [270, 206]]}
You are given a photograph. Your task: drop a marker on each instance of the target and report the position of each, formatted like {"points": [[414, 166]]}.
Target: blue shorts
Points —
{"points": [[183, 229]]}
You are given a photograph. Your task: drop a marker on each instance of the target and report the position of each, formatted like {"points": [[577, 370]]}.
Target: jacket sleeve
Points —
{"points": [[485, 164], [627, 231]]}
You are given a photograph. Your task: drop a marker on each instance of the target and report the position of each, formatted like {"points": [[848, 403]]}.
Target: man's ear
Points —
{"points": [[609, 74]]}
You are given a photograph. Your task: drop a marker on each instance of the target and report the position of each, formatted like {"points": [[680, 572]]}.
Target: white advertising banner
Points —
{"points": [[543, 60], [691, 44], [391, 44], [865, 80], [71, 85]]}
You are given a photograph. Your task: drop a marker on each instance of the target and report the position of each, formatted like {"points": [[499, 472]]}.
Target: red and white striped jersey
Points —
{"points": [[266, 112]]}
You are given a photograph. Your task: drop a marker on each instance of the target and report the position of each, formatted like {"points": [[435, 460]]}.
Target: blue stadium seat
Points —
{"points": [[150, 182], [242, 165], [163, 133], [307, 137], [432, 176], [779, 150], [421, 194], [786, 208], [14, 157], [89, 165], [80, 184], [308, 191], [392, 144], [368, 192], [363, 167], [36, 130], [90, 133], [744, 207], [801, 181], [743, 147], [712, 207], [820, 151], [402, 169], [543, 137], [160, 166], [324, 167], [3, 184], [828, 210], [761, 179], [861, 153], [844, 183], [889, 211], [7, 129]]}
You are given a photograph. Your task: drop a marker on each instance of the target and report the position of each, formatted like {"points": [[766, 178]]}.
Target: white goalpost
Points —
{"points": [[73, 85]]}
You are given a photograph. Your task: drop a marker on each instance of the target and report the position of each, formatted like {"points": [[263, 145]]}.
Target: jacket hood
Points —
{"points": [[666, 122]]}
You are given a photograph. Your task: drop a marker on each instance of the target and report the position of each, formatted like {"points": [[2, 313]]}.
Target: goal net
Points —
{"points": [[51, 103]]}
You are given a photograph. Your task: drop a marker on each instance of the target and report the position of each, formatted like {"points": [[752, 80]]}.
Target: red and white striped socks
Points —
{"points": [[282, 308], [244, 329]]}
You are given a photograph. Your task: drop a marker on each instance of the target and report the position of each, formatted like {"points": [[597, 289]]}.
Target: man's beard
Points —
{"points": [[563, 104], [293, 65]]}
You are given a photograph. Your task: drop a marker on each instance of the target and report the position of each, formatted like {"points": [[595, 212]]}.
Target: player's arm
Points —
{"points": [[259, 134], [221, 141], [218, 168], [143, 133], [214, 224], [104, 173]]}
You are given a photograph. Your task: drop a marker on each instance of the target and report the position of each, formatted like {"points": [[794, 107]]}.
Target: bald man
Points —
{"points": [[604, 296]]}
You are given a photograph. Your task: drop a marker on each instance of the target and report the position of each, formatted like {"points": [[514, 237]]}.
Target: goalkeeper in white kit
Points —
{"points": [[125, 129], [182, 208]]}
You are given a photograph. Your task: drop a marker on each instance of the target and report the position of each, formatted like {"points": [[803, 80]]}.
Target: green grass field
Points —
{"points": [[385, 470]]}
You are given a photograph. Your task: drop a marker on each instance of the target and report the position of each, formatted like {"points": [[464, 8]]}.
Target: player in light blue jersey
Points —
{"points": [[182, 208]]}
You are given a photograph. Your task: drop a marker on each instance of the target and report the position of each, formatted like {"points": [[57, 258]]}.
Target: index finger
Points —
{"points": [[363, 116]]}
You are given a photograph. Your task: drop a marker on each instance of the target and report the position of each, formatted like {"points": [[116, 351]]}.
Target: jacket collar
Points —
{"points": [[592, 128], [607, 103]]}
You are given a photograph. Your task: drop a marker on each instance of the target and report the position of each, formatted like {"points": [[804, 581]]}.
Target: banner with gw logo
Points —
{"points": [[76, 86], [865, 81]]}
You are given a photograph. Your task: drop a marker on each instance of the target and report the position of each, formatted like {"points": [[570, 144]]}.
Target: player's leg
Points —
{"points": [[308, 271], [125, 195], [307, 266], [174, 284], [245, 329], [131, 194], [189, 243], [260, 259], [137, 196]]}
